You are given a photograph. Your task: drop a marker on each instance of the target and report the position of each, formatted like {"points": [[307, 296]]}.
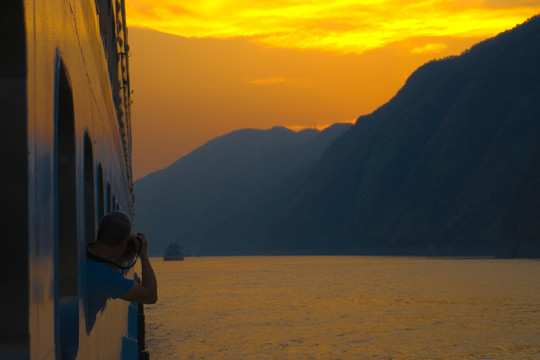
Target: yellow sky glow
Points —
{"points": [[344, 26], [267, 81], [203, 68]]}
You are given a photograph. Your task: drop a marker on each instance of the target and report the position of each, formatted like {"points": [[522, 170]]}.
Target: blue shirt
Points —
{"points": [[103, 283]]}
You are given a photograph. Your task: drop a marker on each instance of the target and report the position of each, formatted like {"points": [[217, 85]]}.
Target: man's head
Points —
{"points": [[114, 228]]}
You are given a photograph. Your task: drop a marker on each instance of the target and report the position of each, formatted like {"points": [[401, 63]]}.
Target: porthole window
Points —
{"points": [[68, 265], [101, 192]]}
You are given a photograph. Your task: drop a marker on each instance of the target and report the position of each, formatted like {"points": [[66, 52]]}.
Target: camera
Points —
{"points": [[134, 245]]}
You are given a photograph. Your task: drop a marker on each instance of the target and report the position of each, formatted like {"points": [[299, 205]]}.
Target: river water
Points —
{"points": [[345, 307]]}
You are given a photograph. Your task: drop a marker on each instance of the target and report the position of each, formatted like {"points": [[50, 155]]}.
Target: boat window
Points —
{"points": [[68, 265], [89, 192], [104, 8], [107, 26], [108, 197], [101, 193], [89, 207]]}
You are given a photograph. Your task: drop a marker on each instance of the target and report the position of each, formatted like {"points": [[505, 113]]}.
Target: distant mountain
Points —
{"points": [[220, 198], [450, 166]]}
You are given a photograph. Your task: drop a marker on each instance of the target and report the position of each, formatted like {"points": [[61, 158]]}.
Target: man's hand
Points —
{"points": [[144, 245], [131, 250], [146, 291]]}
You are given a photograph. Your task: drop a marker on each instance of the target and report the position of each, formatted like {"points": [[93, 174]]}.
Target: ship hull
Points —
{"points": [[64, 88]]}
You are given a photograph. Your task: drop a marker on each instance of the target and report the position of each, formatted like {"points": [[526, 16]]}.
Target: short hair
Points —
{"points": [[114, 227]]}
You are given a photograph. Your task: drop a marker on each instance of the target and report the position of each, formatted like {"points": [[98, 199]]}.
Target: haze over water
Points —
{"points": [[345, 308]]}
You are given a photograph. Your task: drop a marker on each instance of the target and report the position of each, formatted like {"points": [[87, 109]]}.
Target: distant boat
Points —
{"points": [[173, 253]]}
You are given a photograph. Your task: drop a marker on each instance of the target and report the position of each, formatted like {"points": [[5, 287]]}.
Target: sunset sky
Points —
{"points": [[200, 69]]}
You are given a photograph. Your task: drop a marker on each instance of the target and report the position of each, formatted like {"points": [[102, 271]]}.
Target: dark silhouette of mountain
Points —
{"points": [[450, 166], [221, 197]]}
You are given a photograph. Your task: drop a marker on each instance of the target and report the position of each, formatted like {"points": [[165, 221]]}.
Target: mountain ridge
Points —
{"points": [[206, 196], [444, 132], [448, 167]]}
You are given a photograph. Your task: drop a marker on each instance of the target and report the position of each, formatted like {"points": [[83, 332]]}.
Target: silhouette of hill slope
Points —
{"points": [[220, 197], [445, 168]]}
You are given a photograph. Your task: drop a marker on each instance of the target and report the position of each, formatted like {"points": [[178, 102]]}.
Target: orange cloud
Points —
{"points": [[429, 48], [344, 26], [267, 81]]}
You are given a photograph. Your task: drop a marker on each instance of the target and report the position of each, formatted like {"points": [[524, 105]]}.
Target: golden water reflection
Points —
{"points": [[345, 308]]}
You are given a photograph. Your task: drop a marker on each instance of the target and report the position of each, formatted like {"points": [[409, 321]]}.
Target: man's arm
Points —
{"points": [[146, 291]]}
